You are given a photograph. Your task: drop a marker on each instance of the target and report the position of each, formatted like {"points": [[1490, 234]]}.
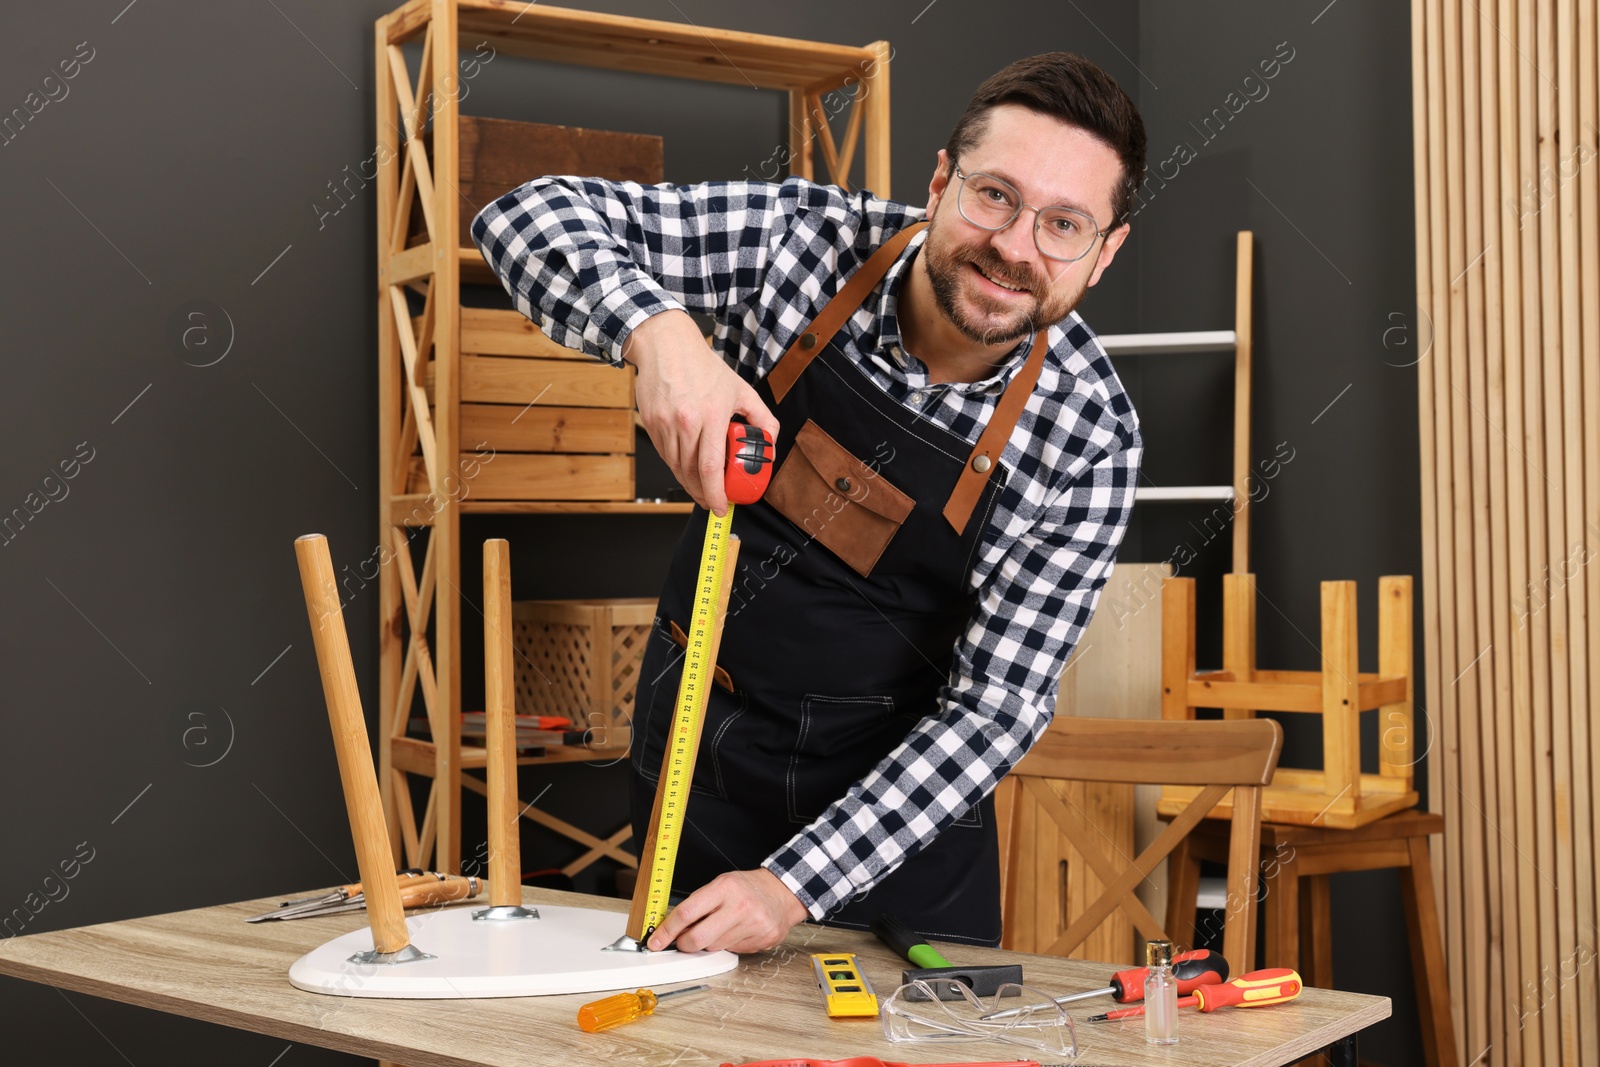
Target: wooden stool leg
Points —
{"points": [[1316, 932], [1183, 893], [1427, 958], [363, 800]]}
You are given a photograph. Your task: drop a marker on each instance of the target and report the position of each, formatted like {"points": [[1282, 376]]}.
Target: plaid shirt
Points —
{"points": [[589, 260]]}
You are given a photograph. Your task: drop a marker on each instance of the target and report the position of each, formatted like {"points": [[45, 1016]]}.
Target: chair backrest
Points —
{"points": [[1157, 751], [1218, 755]]}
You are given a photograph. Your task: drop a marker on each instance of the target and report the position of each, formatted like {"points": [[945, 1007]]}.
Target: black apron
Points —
{"points": [[840, 633]]}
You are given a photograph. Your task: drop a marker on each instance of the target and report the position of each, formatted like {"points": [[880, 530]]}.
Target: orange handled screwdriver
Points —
{"points": [[1192, 970], [1275, 985], [624, 1008]]}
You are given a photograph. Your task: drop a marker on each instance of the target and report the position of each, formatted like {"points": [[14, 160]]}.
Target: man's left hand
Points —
{"points": [[741, 911]]}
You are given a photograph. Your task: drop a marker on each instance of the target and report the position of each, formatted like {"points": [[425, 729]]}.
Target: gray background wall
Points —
{"points": [[161, 699]]}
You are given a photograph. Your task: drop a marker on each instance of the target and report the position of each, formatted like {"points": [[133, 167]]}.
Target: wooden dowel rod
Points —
{"points": [[356, 773], [505, 841]]}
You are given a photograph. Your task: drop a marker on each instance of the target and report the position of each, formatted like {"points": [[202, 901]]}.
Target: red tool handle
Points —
{"points": [[1275, 985], [1254, 990], [750, 454], [1192, 970]]}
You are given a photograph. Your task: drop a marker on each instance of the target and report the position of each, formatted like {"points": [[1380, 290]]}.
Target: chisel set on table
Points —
{"points": [[418, 889]]}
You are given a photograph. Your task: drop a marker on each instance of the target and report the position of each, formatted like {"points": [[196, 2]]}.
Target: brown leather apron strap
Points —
{"points": [[836, 312], [992, 442]]}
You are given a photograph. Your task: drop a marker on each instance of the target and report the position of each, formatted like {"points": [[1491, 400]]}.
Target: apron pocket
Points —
{"points": [[840, 739], [838, 500]]}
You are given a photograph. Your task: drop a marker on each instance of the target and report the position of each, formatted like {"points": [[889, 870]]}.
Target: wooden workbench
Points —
{"points": [[209, 964]]}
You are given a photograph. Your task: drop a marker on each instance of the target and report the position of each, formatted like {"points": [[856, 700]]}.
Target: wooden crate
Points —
{"points": [[580, 658], [497, 155], [538, 421], [1339, 795]]}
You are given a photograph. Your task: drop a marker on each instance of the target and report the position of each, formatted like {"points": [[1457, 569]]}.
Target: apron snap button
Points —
{"points": [[843, 485], [808, 341], [981, 464]]}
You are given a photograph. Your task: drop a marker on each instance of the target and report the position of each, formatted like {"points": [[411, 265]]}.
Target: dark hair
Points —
{"points": [[1066, 86]]}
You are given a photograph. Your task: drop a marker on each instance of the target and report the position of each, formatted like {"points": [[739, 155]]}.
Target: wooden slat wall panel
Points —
{"points": [[1508, 280]]}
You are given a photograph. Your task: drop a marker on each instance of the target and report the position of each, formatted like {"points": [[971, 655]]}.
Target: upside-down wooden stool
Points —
{"points": [[1295, 864]]}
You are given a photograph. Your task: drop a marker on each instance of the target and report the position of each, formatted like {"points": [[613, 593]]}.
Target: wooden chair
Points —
{"points": [[1221, 757]]}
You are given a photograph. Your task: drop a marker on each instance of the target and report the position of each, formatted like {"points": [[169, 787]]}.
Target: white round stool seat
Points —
{"points": [[563, 951]]}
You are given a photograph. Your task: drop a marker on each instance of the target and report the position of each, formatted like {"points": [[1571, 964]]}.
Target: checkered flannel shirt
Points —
{"points": [[589, 260]]}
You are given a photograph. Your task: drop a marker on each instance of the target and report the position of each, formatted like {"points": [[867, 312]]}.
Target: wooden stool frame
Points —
{"points": [[1339, 795], [1296, 862]]}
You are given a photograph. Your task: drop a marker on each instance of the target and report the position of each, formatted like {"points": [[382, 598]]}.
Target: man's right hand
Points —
{"points": [[687, 396]]}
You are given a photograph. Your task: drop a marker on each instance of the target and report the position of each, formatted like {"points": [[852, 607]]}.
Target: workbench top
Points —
{"points": [[209, 964]]}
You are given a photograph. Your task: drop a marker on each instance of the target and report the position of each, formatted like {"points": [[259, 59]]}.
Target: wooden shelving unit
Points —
{"points": [[420, 358]]}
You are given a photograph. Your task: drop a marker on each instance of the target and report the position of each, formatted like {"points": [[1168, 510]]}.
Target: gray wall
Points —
{"points": [[162, 703]]}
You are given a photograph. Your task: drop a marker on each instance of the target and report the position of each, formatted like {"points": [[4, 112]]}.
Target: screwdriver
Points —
{"points": [[624, 1008], [1192, 970], [1275, 985]]}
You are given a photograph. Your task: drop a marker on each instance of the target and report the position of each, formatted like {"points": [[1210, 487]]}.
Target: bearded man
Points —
{"points": [[955, 465]]}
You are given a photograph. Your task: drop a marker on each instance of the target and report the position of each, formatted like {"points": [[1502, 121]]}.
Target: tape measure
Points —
{"points": [[749, 458]]}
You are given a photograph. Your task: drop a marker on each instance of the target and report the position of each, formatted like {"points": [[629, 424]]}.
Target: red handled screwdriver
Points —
{"points": [[1201, 967], [1275, 985]]}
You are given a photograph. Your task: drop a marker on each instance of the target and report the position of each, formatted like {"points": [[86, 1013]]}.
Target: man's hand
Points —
{"points": [[687, 396], [741, 911]]}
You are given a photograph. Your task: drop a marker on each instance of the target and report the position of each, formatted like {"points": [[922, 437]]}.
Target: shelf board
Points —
{"points": [[412, 509], [575, 507], [475, 269], [647, 46], [476, 757]]}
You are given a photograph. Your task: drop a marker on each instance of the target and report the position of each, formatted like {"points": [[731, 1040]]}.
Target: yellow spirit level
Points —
{"points": [[845, 988]]}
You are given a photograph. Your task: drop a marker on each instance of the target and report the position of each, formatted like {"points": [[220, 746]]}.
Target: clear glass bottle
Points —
{"points": [[1160, 995]]}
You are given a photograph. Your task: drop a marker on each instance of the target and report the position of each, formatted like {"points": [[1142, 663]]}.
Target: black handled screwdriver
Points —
{"points": [[1191, 969]]}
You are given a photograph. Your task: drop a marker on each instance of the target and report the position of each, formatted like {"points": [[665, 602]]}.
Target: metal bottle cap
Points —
{"points": [[1158, 954]]}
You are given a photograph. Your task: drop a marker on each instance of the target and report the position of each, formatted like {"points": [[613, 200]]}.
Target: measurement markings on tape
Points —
{"points": [[717, 556]]}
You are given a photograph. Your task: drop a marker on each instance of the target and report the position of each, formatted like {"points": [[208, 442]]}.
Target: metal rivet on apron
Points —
{"points": [[843, 485], [980, 464], [808, 341]]}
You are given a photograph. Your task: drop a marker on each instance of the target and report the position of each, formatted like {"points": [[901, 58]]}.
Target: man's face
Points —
{"points": [[995, 286]]}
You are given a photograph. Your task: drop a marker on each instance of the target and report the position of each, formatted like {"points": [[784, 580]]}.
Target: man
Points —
{"points": [[955, 464]]}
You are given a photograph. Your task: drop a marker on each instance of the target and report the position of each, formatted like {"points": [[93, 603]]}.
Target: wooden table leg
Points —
{"points": [[1427, 957], [1316, 932], [1282, 919]]}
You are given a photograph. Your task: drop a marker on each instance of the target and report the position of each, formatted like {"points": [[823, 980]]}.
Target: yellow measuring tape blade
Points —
{"points": [[694, 690]]}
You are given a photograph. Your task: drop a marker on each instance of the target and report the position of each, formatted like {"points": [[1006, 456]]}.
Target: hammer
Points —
{"points": [[942, 977]]}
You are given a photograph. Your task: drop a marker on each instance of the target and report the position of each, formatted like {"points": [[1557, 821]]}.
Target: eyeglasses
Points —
{"points": [[1060, 233]]}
